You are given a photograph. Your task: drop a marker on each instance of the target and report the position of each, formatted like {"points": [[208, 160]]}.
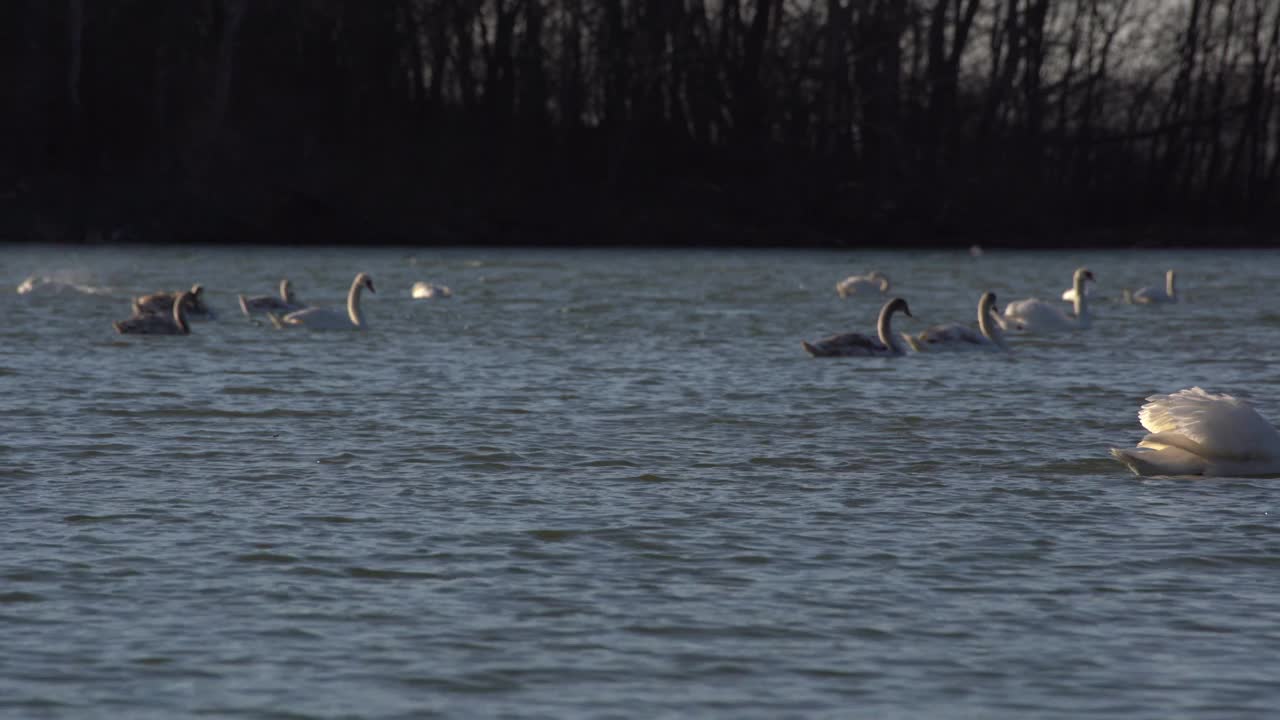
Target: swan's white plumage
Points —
{"points": [[315, 318], [1193, 432], [872, 282], [1038, 316], [1153, 295], [426, 291], [1069, 295]]}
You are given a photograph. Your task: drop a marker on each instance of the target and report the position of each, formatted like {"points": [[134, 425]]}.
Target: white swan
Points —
{"points": [[958, 336], [855, 344], [426, 290], [1154, 295], [1037, 316], [1195, 433], [874, 281], [160, 303], [159, 323], [287, 302], [325, 319]]}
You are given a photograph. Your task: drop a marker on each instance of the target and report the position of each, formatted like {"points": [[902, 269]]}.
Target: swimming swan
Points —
{"points": [[286, 303], [856, 344], [426, 290], [161, 302], [1153, 295], [159, 323], [958, 336], [325, 319], [874, 281], [1195, 433], [1037, 316]]}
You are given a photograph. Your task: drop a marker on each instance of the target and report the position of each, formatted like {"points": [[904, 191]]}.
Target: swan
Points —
{"points": [[874, 281], [325, 319], [1037, 316], [425, 290], [286, 303], [1193, 432], [957, 336], [159, 303], [855, 344], [159, 323], [1153, 295]]}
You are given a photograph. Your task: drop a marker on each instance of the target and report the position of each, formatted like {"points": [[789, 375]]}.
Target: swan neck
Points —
{"points": [[1080, 303], [353, 304], [885, 330], [1168, 285], [180, 314], [286, 292], [988, 325]]}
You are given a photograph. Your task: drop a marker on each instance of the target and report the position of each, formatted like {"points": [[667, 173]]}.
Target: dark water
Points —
{"points": [[602, 484]]}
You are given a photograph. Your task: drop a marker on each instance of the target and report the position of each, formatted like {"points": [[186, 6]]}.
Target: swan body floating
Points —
{"points": [[1038, 316], [426, 290], [326, 319], [1192, 432], [872, 282], [160, 303], [287, 302], [1069, 295], [858, 345], [958, 336], [159, 323], [1154, 295]]}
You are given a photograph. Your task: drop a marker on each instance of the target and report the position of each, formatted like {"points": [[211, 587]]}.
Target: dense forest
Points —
{"points": [[639, 121]]}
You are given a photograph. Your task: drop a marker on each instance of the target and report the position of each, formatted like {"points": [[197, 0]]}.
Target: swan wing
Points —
{"points": [[1150, 295], [318, 319], [1034, 314], [846, 345], [1218, 427]]}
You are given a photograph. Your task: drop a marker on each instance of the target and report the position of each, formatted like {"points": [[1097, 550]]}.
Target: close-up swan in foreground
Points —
{"points": [[326, 319], [1038, 316], [872, 282], [287, 302], [160, 303], [426, 291], [958, 336], [856, 344], [171, 323], [1154, 295], [1195, 433]]}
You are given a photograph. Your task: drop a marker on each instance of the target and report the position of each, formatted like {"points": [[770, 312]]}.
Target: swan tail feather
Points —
{"points": [[810, 348]]}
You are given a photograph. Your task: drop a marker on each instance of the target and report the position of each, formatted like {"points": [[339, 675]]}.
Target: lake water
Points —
{"points": [[611, 483]]}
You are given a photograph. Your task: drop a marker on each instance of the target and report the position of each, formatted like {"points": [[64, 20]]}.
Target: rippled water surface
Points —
{"points": [[610, 483]]}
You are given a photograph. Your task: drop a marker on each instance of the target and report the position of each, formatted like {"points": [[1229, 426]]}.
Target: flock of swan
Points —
{"points": [[167, 313], [1189, 432]]}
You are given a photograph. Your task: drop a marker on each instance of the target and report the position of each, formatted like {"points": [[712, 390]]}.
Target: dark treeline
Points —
{"points": [[602, 121]]}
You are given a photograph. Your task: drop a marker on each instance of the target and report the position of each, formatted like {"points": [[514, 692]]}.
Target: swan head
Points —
{"points": [[194, 299], [896, 305], [881, 278], [988, 303], [1083, 274], [366, 281]]}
